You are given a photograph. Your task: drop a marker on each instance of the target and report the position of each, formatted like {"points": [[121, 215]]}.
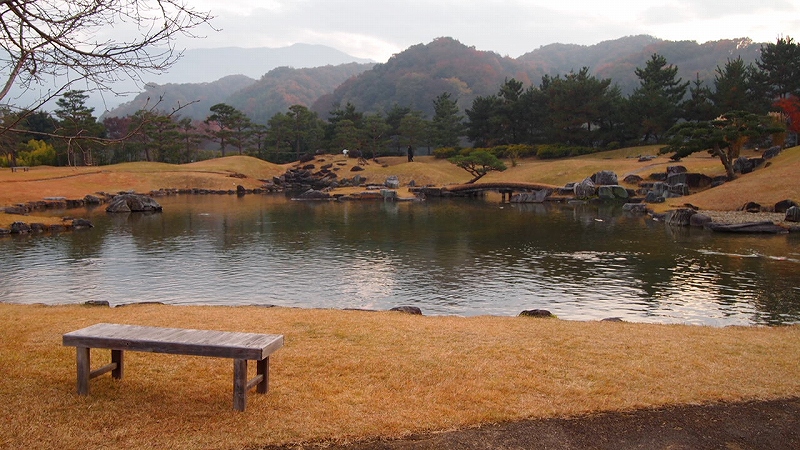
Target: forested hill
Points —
{"points": [[618, 59], [414, 77], [283, 87]]}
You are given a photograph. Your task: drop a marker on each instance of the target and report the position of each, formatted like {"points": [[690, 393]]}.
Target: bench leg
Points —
{"points": [[262, 369], [84, 371], [117, 358], [239, 384]]}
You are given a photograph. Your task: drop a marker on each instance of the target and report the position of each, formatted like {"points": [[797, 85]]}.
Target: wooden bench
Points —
{"points": [[23, 168], [222, 344]]}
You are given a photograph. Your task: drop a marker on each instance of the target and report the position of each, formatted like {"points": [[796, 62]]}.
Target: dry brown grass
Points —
{"points": [[346, 375], [75, 182]]}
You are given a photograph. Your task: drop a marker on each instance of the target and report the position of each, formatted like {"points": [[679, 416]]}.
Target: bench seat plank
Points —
{"points": [[222, 344]]}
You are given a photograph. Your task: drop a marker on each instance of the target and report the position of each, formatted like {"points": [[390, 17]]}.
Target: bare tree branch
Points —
{"points": [[46, 40]]}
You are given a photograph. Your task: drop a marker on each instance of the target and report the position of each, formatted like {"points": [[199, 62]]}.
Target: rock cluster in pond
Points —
{"points": [[603, 185], [308, 177], [133, 203], [690, 217], [66, 224]]}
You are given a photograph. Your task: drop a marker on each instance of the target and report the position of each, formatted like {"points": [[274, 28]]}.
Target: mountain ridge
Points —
{"points": [[414, 77]]}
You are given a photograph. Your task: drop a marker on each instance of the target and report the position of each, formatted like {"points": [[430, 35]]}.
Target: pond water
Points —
{"points": [[449, 257]]}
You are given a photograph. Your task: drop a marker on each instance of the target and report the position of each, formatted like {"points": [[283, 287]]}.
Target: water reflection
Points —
{"points": [[447, 257]]}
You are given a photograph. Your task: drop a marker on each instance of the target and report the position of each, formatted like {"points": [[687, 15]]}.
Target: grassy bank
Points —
{"points": [[346, 375], [765, 186]]}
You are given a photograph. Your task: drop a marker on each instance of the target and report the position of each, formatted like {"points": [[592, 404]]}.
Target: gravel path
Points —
{"points": [[736, 217]]}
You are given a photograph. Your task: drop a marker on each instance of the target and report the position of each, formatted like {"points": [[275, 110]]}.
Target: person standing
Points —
{"points": [[410, 153]]}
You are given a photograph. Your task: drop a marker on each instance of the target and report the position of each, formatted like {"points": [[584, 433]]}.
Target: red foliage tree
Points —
{"points": [[790, 106]]}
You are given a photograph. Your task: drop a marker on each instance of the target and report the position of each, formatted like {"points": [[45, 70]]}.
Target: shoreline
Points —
{"points": [[527, 314], [55, 225]]}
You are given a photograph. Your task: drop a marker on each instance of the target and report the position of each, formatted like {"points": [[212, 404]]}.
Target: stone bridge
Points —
{"points": [[504, 188]]}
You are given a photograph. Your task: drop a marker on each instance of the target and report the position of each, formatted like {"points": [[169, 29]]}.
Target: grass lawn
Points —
{"points": [[347, 375]]}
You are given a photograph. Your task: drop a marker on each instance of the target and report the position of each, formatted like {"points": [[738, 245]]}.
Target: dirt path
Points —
{"points": [[762, 425]]}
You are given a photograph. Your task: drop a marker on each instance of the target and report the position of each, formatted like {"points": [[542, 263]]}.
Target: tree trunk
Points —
{"points": [[726, 162], [477, 177]]}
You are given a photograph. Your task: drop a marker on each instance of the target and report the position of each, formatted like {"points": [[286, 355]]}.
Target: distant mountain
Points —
{"points": [[283, 87], [618, 59], [275, 92], [416, 76], [211, 64], [195, 99]]}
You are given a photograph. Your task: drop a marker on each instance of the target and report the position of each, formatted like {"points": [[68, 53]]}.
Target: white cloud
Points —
{"points": [[376, 30]]}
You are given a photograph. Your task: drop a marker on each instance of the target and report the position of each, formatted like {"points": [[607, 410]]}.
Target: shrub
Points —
{"points": [[36, 153], [562, 151], [445, 152]]}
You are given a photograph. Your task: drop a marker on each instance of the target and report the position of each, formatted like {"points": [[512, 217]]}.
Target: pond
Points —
{"points": [[447, 257]]}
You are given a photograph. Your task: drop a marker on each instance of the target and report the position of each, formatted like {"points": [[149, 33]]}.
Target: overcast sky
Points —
{"points": [[376, 29]]}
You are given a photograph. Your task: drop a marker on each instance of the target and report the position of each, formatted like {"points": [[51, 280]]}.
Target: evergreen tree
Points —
{"points": [[78, 126], [414, 129], [447, 123], [484, 123], [658, 100], [228, 126], [376, 131], [733, 88], [722, 137], [575, 104], [298, 130], [510, 112], [779, 69], [699, 106]]}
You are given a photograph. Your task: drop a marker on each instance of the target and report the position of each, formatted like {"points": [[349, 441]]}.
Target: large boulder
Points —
{"points": [[392, 182], [605, 178], [313, 194], [698, 180], [677, 178], [636, 208], [793, 214], [584, 189], [784, 205], [675, 169], [752, 207], [620, 192], [530, 197], [679, 217], [543, 313], [413, 310], [20, 228], [605, 192], [771, 152], [633, 179], [699, 220], [743, 165], [133, 203]]}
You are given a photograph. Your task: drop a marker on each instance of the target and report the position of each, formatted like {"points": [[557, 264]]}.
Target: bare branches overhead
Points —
{"points": [[42, 41]]}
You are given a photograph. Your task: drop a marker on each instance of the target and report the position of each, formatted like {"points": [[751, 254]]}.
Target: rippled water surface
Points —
{"points": [[446, 257]]}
